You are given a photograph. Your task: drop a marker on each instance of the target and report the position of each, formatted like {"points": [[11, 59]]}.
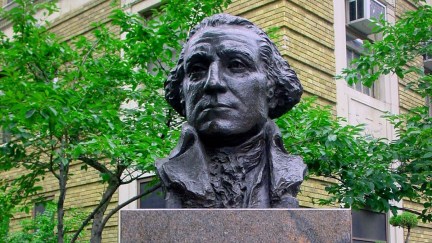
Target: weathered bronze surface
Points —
{"points": [[230, 81]]}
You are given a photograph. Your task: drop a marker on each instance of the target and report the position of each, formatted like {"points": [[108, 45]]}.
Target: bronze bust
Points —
{"points": [[229, 82]]}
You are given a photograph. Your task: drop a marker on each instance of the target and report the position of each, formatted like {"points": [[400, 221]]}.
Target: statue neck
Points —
{"points": [[225, 142]]}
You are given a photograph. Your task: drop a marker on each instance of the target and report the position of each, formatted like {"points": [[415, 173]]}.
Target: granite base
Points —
{"points": [[236, 225]]}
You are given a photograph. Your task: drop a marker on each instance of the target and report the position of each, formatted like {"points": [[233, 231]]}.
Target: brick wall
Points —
{"points": [[79, 22], [408, 98]]}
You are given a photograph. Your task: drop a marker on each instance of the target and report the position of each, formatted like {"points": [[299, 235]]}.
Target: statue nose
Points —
{"points": [[214, 83]]}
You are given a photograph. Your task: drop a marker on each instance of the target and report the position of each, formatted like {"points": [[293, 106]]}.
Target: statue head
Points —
{"points": [[230, 78]]}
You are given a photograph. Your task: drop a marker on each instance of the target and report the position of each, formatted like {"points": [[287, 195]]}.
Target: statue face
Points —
{"points": [[225, 86]]}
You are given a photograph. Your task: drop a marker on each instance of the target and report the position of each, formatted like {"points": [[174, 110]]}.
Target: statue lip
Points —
{"points": [[216, 106]]}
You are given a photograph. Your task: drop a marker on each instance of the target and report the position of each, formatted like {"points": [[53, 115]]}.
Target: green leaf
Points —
{"points": [[105, 177], [332, 137], [53, 111], [427, 155], [84, 167], [30, 113]]}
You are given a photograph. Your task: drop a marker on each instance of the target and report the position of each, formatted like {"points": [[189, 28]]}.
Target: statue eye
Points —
{"points": [[197, 71], [236, 66]]}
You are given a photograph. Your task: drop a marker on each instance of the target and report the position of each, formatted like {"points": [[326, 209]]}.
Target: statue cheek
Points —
{"points": [[191, 96]]}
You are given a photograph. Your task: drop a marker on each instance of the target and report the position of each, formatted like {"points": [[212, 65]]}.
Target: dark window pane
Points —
{"points": [[369, 225], [349, 56], [366, 90], [358, 86], [360, 9], [39, 208], [352, 11], [5, 136], [152, 200]]}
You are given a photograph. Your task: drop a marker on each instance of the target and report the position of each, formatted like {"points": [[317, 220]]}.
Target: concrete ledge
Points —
{"points": [[236, 225]]}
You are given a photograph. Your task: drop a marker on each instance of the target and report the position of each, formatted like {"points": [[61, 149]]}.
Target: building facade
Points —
{"points": [[319, 39]]}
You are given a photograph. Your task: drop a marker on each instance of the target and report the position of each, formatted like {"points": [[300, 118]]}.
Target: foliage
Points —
{"points": [[400, 52], [9, 200], [413, 152], [402, 44], [42, 227], [404, 220], [95, 100], [360, 166]]}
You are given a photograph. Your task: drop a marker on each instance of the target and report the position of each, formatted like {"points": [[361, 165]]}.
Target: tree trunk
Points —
{"points": [[408, 235], [97, 226], [63, 171]]}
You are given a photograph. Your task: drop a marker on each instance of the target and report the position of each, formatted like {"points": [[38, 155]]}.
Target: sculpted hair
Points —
{"points": [[284, 88]]}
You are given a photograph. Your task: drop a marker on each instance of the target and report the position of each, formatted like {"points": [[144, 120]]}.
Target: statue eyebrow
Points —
{"points": [[196, 56], [237, 52]]}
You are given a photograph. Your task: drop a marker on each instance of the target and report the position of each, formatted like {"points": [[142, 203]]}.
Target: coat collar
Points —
{"points": [[191, 175]]}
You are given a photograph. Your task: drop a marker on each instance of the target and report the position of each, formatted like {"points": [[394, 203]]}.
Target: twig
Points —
{"points": [[98, 166], [408, 210], [120, 206]]}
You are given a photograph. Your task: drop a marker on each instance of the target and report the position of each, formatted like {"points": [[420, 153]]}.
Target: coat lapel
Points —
{"points": [[186, 167], [286, 171]]}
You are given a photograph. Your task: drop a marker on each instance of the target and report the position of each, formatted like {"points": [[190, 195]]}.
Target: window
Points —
{"points": [[354, 49], [429, 104], [428, 98], [4, 136], [152, 200], [6, 2], [361, 12], [368, 226], [39, 208], [356, 9], [427, 61]]}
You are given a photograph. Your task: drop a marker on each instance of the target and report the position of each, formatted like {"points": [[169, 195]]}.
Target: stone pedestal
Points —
{"points": [[236, 225]]}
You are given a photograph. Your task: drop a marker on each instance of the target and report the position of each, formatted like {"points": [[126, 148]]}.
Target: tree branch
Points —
{"points": [[90, 216], [98, 166], [408, 210], [51, 159], [84, 60], [120, 206], [132, 178], [87, 220]]}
